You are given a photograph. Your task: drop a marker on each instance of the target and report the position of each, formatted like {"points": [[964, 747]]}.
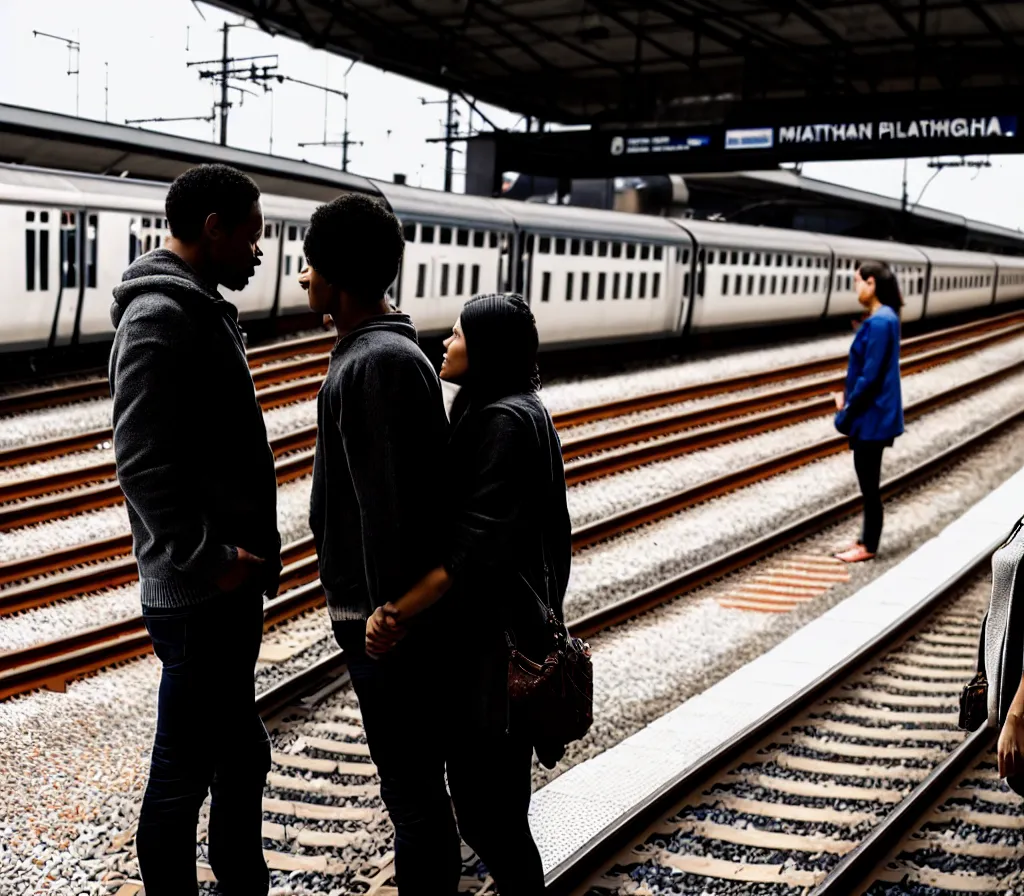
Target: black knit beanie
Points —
{"points": [[501, 345]]}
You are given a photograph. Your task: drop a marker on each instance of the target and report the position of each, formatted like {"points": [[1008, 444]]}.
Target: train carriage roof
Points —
{"points": [[434, 206], [744, 236], [956, 258], [878, 250], [594, 223]]}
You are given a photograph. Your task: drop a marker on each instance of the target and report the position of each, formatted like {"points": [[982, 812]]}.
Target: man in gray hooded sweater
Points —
{"points": [[200, 486]]}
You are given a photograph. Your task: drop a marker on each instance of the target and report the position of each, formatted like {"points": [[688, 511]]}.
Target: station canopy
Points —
{"points": [[609, 63]]}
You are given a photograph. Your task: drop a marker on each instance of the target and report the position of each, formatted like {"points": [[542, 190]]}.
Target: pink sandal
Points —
{"points": [[856, 554]]}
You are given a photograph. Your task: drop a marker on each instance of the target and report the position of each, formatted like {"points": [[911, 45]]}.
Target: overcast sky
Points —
{"points": [[146, 57]]}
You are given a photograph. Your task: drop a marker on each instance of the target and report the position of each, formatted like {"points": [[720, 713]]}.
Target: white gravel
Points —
{"points": [[643, 557]]}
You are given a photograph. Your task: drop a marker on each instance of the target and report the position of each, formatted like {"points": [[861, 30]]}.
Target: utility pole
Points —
{"points": [[106, 91], [451, 135], [74, 50], [224, 89]]}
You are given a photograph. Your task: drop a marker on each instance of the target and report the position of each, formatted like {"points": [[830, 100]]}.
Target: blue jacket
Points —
{"points": [[873, 411]]}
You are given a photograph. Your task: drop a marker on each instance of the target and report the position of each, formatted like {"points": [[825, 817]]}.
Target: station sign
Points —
{"points": [[650, 144]]}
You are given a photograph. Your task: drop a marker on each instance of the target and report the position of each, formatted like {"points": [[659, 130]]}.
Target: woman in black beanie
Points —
{"points": [[509, 533]]}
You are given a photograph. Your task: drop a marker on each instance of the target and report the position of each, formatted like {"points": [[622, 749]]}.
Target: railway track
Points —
{"points": [[52, 664], [32, 500], [805, 799], [300, 379], [301, 563]]}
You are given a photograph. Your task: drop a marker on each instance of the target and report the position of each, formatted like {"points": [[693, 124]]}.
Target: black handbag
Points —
{"points": [[974, 696], [551, 701]]}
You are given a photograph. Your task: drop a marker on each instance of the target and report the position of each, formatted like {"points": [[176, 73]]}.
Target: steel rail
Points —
{"points": [[571, 873], [61, 586], [51, 664], [99, 387]]}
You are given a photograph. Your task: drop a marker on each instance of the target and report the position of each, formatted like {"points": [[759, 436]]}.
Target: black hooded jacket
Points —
{"points": [[189, 438]]}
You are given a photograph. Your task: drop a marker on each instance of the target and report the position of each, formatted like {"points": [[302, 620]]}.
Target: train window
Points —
{"points": [[757, 259], [287, 262], [783, 290], [584, 286], [302, 236], [574, 247], [545, 286], [426, 233], [734, 259], [267, 231], [750, 284], [93, 235], [616, 252], [615, 285], [421, 280], [156, 241], [528, 244], [474, 280], [778, 261], [807, 283], [789, 261], [629, 285], [630, 252], [149, 243], [408, 232], [746, 258], [799, 261], [544, 245], [725, 284], [588, 247], [444, 277], [293, 233], [30, 216], [602, 278], [817, 281], [479, 238], [460, 279], [444, 236], [602, 249], [44, 259], [462, 236], [774, 283], [761, 285], [658, 252], [493, 240], [641, 287], [849, 281], [44, 217], [147, 223], [686, 256], [686, 284], [645, 252], [568, 287], [560, 245], [655, 285], [30, 257]]}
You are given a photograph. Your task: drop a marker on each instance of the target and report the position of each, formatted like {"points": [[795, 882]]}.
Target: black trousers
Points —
{"points": [[867, 461], [415, 733], [209, 738]]}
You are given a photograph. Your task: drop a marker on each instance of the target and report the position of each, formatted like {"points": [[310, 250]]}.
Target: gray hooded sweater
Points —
{"points": [[189, 439]]}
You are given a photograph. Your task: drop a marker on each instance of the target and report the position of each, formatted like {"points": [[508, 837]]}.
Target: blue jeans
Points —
{"points": [[209, 738], [416, 730]]}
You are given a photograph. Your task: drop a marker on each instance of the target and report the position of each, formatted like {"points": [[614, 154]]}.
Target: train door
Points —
{"points": [[108, 241], [69, 279]]}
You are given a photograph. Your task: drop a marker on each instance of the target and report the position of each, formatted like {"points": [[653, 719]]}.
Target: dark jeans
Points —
{"points": [[209, 738], [412, 723], [867, 461]]}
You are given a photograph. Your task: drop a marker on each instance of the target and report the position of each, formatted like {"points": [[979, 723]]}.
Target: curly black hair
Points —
{"points": [[355, 243], [205, 189]]}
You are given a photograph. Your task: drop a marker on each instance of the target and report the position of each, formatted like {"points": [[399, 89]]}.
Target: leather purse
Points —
{"points": [[974, 696], [552, 700]]}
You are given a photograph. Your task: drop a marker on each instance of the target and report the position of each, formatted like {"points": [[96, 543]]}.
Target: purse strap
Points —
{"points": [[980, 668]]}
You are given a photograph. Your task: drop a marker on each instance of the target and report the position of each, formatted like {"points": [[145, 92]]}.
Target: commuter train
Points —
{"points": [[590, 276]]}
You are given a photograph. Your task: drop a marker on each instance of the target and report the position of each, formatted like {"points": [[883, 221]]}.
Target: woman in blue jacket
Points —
{"points": [[870, 411]]}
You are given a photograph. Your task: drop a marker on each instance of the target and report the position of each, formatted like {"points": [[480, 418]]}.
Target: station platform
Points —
{"points": [[576, 807]]}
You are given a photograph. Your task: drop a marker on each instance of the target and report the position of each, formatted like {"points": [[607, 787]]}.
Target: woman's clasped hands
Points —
{"points": [[384, 630]]}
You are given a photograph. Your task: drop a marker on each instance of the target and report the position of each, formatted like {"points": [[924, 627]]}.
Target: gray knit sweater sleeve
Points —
{"points": [[154, 387]]}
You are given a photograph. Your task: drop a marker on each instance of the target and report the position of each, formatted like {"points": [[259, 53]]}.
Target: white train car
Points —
{"points": [[1009, 278], [600, 276], [455, 247], [756, 275], [908, 263], [958, 281]]}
